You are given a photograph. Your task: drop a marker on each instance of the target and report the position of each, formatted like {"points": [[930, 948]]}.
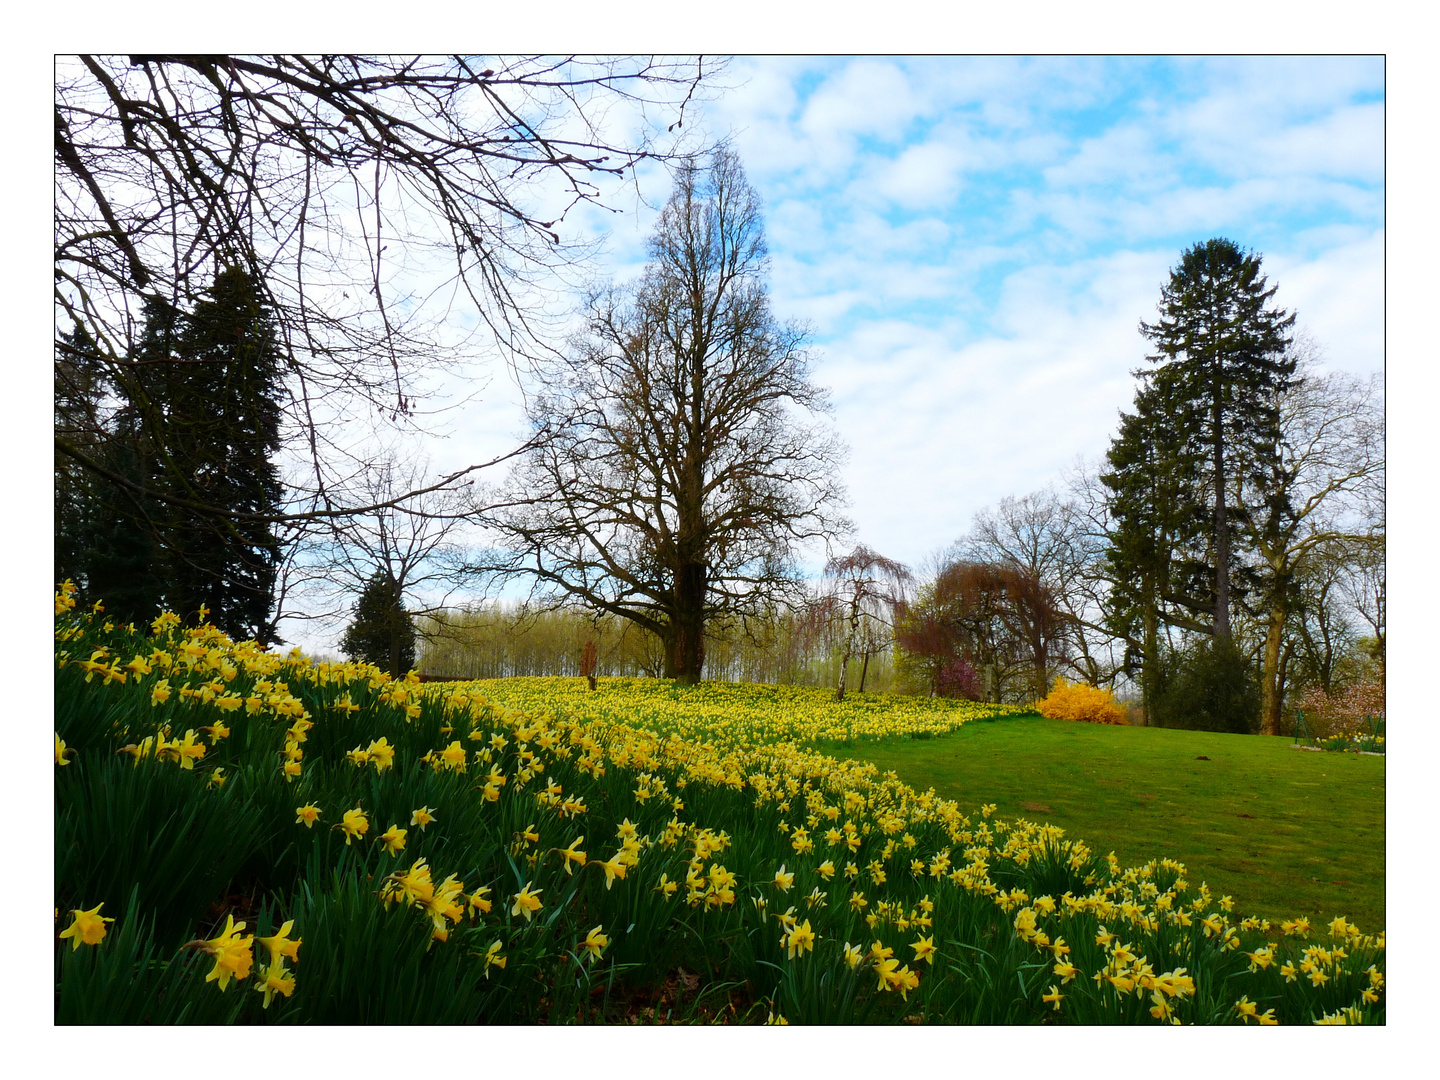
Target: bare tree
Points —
{"points": [[683, 476], [1320, 488], [1058, 541], [861, 592], [409, 540], [368, 195]]}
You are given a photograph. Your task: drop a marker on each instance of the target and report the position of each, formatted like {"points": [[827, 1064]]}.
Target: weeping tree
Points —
{"points": [[687, 462], [860, 595]]}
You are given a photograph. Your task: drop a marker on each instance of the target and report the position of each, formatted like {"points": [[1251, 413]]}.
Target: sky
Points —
{"points": [[974, 241]]}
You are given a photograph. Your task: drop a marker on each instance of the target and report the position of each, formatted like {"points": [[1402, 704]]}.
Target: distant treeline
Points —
{"points": [[500, 640]]}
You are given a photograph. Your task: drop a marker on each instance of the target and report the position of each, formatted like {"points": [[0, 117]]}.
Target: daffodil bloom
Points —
{"points": [[1053, 997], [479, 900], [354, 825], [1067, 971], [530, 836], [783, 880], [595, 943], [800, 940], [291, 770], [526, 902], [307, 814], [86, 926], [381, 754], [274, 981], [853, 956], [453, 756], [422, 817], [1246, 1008], [858, 902], [924, 949], [217, 777], [571, 854], [233, 954], [189, 750], [613, 868], [60, 752], [493, 958], [826, 869], [280, 945], [358, 757], [394, 839], [668, 887]]}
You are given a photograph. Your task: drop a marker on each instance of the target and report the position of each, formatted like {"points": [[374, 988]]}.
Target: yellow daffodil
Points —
{"points": [[394, 839], [494, 959], [924, 949], [594, 943], [280, 945], [422, 817], [86, 926], [307, 815], [526, 902], [354, 824], [233, 954]]}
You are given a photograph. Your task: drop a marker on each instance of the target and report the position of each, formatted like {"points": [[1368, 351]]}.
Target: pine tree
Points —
{"points": [[381, 633], [1221, 364], [199, 420], [221, 428]]}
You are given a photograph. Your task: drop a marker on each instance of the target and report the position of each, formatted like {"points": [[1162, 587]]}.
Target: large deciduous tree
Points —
{"points": [[688, 464], [1319, 487]]}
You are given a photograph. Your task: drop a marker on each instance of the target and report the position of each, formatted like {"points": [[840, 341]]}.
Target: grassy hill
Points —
{"points": [[1286, 832]]}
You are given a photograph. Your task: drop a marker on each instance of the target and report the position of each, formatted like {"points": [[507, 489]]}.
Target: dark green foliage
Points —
{"points": [[152, 827], [1191, 467], [1210, 687], [199, 421], [381, 633]]}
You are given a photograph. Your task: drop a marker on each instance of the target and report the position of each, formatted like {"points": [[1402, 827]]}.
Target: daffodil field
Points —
{"points": [[242, 836]]}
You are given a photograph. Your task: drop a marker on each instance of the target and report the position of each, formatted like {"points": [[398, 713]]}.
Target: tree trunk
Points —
{"points": [[686, 653], [864, 667], [1270, 680], [1222, 523]]}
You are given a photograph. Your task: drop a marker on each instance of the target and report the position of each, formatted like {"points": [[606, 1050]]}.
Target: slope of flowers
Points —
{"points": [[247, 837], [739, 714]]}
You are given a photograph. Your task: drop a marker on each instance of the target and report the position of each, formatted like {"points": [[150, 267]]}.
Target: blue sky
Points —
{"points": [[974, 241]]}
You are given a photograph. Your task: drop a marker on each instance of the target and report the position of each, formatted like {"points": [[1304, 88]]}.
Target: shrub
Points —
{"points": [[1077, 701], [958, 679], [1210, 687]]}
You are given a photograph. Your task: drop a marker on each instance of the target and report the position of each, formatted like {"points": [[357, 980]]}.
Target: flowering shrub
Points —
{"points": [[1342, 712], [526, 849], [1077, 701]]}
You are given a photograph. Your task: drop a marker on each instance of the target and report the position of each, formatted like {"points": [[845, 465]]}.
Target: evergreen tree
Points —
{"points": [[1189, 469], [1221, 365], [221, 427], [381, 633], [199, 420]]}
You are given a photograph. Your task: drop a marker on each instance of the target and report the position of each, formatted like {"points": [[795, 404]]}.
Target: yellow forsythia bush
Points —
{"points": [[1077, 701]]}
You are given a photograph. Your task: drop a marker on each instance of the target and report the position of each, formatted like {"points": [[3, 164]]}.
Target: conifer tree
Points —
{"points": [[1221, 364], [381, 633]]}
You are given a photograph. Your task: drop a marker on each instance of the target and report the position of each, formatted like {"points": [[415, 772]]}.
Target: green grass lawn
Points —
{"points": [[1283, 831]]}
